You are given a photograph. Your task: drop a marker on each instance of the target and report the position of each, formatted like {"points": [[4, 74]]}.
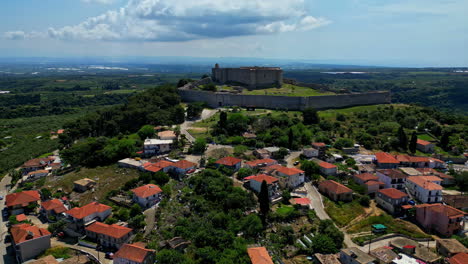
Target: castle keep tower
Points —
{"points": [[252, 77]]}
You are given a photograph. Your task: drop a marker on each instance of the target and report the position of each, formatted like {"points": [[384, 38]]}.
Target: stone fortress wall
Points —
{"points": [[252, 77], [217, 99]]}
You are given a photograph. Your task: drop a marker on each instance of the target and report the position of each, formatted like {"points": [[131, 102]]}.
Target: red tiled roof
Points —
{"points": [[407, 206], [419, 159], [114, 231], [326, 165], [288, 171], [393, 193], [228, 161], [39, 162], [159, 165], [146, 190], [37, 171], [424, 183], [372, 182], [302, 201], [460, 258], [393, 173], [60, 131], [24, 232], [318, 144], [91, 208], [383, 157], [422, 142], [54, 204], [21, 218], [447, 210], [133, 252], [366, 177], [334, 187], [263, 177], [403, 158], [255, 163], [259, 255], [22, 198], [184, 164], [431, 171]]}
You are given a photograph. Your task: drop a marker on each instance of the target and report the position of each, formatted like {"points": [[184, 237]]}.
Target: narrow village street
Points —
{"points": [[5, 249]]}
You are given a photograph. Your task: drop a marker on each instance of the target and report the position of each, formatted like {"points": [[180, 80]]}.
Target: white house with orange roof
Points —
{"points": [[162, 165], [111, 236], [52, 208], [327, 168], [386, 161], [254, 164], [134, 254], [29, 241], [181, 167], [440, 218], [426, 189], [391, 199], [147, 195], [229, 162], [80, 216], [425, 146], [292, 177], [17, 202], [255, 183]]}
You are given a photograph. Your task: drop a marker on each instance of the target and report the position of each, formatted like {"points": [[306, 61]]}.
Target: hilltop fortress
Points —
{"points": [[258, 77], [252, 77]]}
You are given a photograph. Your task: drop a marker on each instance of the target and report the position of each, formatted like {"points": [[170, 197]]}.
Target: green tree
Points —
{"points": [[462, 180], [222, 123], [194, 110], [251, 225], [413, 144], [264, 200], [323, 244], [290, 138], [244, 172], [402, 138], [199, 146], [167, 256], [45, 194], [135, 210], [444, 140], [145, 132], [341, 143], [309, 168], [310, 116]]}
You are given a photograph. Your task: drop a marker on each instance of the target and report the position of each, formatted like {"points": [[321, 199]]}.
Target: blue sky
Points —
{"points": [[377, 32]]}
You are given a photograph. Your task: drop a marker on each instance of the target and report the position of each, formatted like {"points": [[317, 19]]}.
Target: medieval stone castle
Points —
{"points": [[258, 77], [252, 77]]}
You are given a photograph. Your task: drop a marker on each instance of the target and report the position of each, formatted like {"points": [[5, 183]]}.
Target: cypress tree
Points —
{"points": [[412, 144], [222, 120], [402, 138], [264, 200]]}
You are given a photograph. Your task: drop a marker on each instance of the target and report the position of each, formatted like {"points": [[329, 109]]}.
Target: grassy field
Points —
{"points": [[287, 90], [352, 110], [108, 178], [393, 226], [343, 213], [425, 137]]}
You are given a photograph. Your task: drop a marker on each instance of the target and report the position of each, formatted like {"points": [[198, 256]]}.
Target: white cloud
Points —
{"points": [[15, 35], [182, 20], [98, 1]]}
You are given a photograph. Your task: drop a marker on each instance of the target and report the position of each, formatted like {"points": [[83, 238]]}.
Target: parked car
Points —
{"points": [[1, 197], [296, 162], [109, 255], [5, 212]]}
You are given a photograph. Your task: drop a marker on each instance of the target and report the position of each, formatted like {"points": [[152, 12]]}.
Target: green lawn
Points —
{"points": [[287, 90], [284, 210], [425, 137], [343, 213]]}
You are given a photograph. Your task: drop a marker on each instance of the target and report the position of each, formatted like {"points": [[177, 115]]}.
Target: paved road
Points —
{"points": [[5, 249], [150, 219], [385, 242], [102, 255], [316, 201], [184, 127], [291, 157]]}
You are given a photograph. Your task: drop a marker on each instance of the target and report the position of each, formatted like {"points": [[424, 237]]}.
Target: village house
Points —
{"points": [[131, 163], [369, 181], [310, 153], [167, 135], [321, 147], [425, 146], [36, 164], [134, 254], [29, 241], [83, 185], [18, 202], [183, 167], [440, 218], [450, 247], [153, 146], [255, 164], [437, 163], [327, 168], [425, 188], [459, 201], [327, 258], [255, 183], [161, 165], [391, 200], [262, 153], [415, 250], [384, 255], [412, 161], [147, 195], [80, 216], [392, 178], [446, 179], [460, 258], [386, 161], [336, 191], [289, 177], [259, 255], [109, 236], [229, 162], [52, 209], [354, 255], [34, 175]]}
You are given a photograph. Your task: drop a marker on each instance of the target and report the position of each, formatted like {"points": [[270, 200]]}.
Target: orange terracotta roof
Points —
{"points": [[255, 163], [423, 183], [133, 252], [407, 206], [431, 171], [38, 171], [460, 258], [393, 193], [374, 183], [393, 173], [60, 131], [157, 166], [54, 204], [228, 161], [446, 210], [403, 158], [422, 142], [326, 165], [263, 177], [366, 177], [23, 232], [302, 201], [114, 231], [383, 157], [259, 255], [431, 178], [39, 162], [146, 190], [21, 218], [289, 171], [419, 159], [184, 164], [22, 198], [91, 208], [334, 187], [318, 144]]}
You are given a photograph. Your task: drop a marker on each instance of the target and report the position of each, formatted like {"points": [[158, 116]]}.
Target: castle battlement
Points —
{"points": [[252, 77]]}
